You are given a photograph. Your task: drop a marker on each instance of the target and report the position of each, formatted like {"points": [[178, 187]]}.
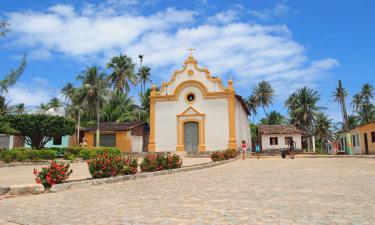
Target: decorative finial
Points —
{"points": [[190, 51]]}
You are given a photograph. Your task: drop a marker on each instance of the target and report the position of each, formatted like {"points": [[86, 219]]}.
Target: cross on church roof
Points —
{"points": [[191, 51]]}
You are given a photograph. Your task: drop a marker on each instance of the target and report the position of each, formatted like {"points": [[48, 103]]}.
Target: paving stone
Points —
{"points": [[266, 191]]}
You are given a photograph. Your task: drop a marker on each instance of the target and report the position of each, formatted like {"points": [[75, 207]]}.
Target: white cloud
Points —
{"points": [[279, 11], [224, 17], [247, 50], [30, 95]]}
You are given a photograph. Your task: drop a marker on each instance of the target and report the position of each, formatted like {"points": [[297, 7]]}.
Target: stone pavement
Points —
{"points": [[24, 174], [265, 191]]}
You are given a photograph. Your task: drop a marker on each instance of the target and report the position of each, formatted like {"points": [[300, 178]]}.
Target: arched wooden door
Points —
{"points": [[191, 136]]}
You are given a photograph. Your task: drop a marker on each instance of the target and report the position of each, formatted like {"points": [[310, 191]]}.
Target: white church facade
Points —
{"points": [[195, 112]]}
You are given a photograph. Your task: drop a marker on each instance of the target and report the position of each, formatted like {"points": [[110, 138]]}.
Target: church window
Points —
{"points": [[190, 98]]}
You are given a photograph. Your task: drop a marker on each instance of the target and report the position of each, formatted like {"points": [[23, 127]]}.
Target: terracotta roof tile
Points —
{"points": [[278, 129], [115, 126]]}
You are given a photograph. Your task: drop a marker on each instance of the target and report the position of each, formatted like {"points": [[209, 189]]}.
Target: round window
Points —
{"points": [[190, 97]]}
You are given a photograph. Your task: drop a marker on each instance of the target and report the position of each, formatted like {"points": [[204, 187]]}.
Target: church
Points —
{"points": [[195, 112]]}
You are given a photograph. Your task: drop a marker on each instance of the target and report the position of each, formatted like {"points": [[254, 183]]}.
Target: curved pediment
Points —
{"points": [[189, 72]]}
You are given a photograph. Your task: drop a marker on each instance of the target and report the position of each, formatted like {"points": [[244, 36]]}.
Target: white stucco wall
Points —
{"points": [[281, 141], [357, 150], [137, 143], [216, 120], [242, 125]]}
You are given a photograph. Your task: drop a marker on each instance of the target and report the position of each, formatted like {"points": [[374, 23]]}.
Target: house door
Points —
{"points": [[366, 143], [191, 136]]}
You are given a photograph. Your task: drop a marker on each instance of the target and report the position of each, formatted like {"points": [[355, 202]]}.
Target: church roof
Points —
{"points": [[278, 129], [243, 104]]}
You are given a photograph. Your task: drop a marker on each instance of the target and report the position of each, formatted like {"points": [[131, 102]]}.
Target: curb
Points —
{"points": [[17, 190]]}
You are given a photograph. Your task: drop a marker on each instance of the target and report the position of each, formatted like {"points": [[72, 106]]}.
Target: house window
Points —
{"points": [[57, 140], [373, 136], [106, 140], [287, 140], [273, 141]]}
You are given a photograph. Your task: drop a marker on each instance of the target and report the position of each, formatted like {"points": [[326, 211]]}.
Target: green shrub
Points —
{"points": [[28, 155], [217, 156], [230, 153], [152, 163], [108, 166], [69, 156], [20, 149], [56, 173], [86, 154]]}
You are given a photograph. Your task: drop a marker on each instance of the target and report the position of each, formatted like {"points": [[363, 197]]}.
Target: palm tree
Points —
{"points": [[95, 85], [54, 103], [323, 126], [42, 108], [264, 95], [340, 95], [362, 104], [123, 73], [144, 77], [253, 104], [20, 108], [273, 118], [302, 108]]}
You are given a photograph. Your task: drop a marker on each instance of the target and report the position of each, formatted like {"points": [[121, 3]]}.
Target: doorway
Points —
{"points": [[191, 136]]}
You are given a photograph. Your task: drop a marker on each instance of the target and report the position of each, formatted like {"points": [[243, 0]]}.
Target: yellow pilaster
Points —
{"points": [[151, 143], [232, 144]]}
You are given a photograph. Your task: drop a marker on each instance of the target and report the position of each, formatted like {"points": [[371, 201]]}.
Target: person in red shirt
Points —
{"points": [[244, 148]]}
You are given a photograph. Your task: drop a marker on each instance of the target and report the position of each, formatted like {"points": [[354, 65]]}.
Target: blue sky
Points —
{"points": [[289, 43]]}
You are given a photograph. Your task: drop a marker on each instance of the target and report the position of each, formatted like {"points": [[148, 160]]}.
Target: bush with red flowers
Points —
{"points": [[109, 166], [217, 156], [56, 173], [223, 155], [151, 163]]}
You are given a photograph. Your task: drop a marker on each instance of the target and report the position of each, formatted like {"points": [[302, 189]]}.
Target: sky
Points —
{"points": [[289, 43]]}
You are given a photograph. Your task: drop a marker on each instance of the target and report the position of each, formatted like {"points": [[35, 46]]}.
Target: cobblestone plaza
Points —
{"points": [[265, 191]]}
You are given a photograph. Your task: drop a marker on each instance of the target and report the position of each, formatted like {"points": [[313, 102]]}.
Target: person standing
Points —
{"points": [[244, 149], [292, 145], [257, 150]]}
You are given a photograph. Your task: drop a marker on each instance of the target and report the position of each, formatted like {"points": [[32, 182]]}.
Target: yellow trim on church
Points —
{"points": [[157, 96]]}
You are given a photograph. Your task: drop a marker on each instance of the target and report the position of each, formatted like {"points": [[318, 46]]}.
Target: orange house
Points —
{"points": [[367, 138], [128, 137]]}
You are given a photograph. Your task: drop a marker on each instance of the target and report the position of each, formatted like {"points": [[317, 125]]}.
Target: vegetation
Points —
{"points": [[223, 155], [273, 118], [340, 94], [56, 173], [108, 166], [38, 129], [362, 104], [27, 155], [152, 163], [263, 95]]}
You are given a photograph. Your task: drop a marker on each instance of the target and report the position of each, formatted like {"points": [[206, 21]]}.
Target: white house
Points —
{"points": [[275, 137], [195, 112]]}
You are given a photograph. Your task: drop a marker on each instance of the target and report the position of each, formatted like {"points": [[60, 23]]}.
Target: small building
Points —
{"points": [[333, 148], [128, 136], [363, 139], [275, 137], [11, 141]]}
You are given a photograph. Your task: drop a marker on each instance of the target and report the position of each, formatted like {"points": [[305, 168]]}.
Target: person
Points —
{"points": [[292, 145], [84, 143], [244, 148], [257, 150]]}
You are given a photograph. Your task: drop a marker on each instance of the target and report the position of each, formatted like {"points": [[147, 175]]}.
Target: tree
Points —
{"points": [[54, 103], [264, 95], [323, 128], [144, 77], [362, 104], [20, 108], [340, 95], [12, 77], [253, 104], [302, 108], [3, 28], [273, 118], [123, 73], [38, 129]]}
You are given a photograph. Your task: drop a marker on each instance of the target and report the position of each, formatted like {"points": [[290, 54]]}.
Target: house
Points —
{"points": [[10, 141], [363, 138], [128, 136], [275, 137], [333, 148], [194, 112]]}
